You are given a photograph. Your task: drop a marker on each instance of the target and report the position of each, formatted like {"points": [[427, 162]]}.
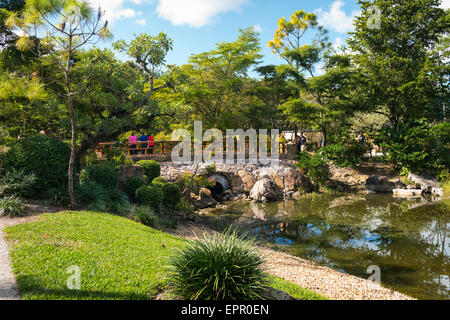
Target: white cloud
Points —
{"points": [[445, 4], [337, 19], [115, 9], [258, 28], [142, 22], [196, 13]]}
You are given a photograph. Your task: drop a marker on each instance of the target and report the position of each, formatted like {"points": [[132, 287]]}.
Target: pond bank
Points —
{"points": [[323, 280]]}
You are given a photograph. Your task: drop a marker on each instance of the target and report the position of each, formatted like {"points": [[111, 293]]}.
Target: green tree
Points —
{"points": [[69, 26], [322, 97], [218, 77], [396, 57]]}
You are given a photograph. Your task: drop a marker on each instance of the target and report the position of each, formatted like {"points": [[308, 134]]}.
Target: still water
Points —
{"points": [[408, 239]]}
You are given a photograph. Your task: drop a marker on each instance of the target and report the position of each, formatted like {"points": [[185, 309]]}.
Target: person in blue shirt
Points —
{"points": [[143, 138]]}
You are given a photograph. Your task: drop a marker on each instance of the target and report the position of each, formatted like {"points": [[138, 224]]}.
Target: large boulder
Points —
{"points": [[131, 171], [247, 179], [205, 199], [379, 184], [294, 179], [407, 193], [266, 190], [428, 184]]}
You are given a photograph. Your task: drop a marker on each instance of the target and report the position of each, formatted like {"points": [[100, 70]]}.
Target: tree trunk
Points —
{"points": [[74, 131]]}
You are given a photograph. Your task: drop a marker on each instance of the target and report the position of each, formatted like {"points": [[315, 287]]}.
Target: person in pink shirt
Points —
{"points": [[133, 138]]}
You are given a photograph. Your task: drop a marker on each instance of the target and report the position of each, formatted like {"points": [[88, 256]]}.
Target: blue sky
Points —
{"points": [[197, 25]]}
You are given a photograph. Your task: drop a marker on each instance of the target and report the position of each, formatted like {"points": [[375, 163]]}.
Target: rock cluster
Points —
{"points": [[250, 182]]}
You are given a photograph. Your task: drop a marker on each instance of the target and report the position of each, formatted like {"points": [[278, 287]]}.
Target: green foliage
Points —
{"points": [[159, 181], [103, 175], [58, 197], [11, 206], [315, 167], [417, 146], [210, 170], [98, 198], [145, 215], [344, 154], [222, 267], [45, 157], [130, 185], [151, 195], [172, 195], [151, 167], [194, 183], [16, 182], [401, 69]]}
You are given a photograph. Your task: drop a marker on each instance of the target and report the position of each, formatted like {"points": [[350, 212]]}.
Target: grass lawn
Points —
{"points": [[118, 258]]}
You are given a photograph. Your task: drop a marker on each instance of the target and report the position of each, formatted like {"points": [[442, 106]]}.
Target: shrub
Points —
{"points": [[130, 185], [344, 154], [97, 198], [145, 215], [159, 181], [90, 192], [117, 202], [210, 170], [58, 197], [103, 175], [16, 182], [172, 195], [11, 206], [152, 168], [150, 195], [194, 183], [417, 146], [315, 167], [45, 157], [222, 267]]}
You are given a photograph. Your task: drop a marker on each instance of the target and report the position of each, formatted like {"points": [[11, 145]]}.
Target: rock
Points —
{"points": [[205, 199], [236, 184], [407, 193], [278, 180], [297, 196], [131, 171], [379, 184], [247, 179], [295, 179], [266, 189], [428, 183], [437, 192]]}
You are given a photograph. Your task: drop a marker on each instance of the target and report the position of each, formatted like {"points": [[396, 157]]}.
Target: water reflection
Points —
{"points": [[407, 239]]}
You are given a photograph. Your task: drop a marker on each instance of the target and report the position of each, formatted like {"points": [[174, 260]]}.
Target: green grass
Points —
{"points": [[294, 290], [118, 258]]}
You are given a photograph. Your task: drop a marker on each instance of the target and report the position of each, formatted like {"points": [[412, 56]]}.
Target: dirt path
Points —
{"points": [[326, 281]]}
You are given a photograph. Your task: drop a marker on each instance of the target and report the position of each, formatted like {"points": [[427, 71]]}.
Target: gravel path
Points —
{"points": [[326, 281]]}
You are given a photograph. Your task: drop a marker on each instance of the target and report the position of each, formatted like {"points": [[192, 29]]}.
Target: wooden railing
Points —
{"points": [[163, 148]]}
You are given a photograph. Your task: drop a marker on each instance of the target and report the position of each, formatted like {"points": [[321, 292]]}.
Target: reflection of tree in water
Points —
{"points": [[410, 246]]}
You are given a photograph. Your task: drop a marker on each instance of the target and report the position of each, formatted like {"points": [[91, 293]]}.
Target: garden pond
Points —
{"points": [[408, 239]]}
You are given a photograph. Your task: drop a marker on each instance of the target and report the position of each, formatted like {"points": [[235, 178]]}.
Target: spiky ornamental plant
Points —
{"points": [[64, 27], [221, 267]]}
